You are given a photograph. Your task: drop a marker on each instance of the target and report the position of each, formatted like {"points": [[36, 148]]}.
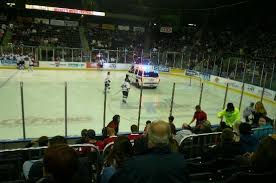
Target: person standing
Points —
{"points": [[125, 89], [107, 82], [231, 115], [248, 111], [31, 64]]}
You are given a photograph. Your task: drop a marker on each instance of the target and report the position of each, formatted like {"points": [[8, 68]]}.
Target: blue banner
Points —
{"points": [[7, 62]]}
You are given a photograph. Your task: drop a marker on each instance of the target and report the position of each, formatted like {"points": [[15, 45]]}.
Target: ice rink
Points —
{"points": [[44, 102]]}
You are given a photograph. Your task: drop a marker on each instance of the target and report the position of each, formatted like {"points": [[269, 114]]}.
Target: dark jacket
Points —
{"points": [[249, 143], [226, 150], [158, 165]]}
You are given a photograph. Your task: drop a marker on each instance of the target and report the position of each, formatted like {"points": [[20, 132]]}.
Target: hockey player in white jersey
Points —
{"points": [[125, 89], [107, 82], [31, 64]]}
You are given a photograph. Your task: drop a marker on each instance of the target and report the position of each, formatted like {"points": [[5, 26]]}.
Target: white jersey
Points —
{"points": [[125, 86], [107, 80]]}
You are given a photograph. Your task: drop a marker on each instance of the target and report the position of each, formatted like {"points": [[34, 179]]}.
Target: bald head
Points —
{"points": [[158, 134]]}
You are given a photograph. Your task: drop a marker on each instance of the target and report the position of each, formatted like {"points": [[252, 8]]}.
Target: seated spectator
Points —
{"points": [[158, 164], [184, 132], [231, 114], [134, 133], [262, 163], [82, 140], [60, 164], [248, 141], [205, 127], [115, 123], [227, 148], [111, 136], [264, 129], [42, 141], [259, 112], [122, 150], [33, 168], [200, 116], [91, 139], [172, 126]]}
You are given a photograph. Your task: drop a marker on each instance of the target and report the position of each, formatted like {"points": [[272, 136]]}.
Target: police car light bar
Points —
{"points": [[64, 10]]}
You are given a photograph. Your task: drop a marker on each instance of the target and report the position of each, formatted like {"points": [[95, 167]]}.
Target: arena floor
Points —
{"points": [[44, 102]]}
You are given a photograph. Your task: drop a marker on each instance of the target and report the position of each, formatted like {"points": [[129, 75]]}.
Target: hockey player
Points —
{"points": [[107, 82], [21, 62], [125, 89], [31, 64]]}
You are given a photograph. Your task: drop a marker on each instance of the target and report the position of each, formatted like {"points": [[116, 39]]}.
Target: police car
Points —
{"points": [[145, 75]]}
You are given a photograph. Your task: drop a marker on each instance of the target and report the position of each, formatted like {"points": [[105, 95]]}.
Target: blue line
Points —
{"points": [[5, 82]]}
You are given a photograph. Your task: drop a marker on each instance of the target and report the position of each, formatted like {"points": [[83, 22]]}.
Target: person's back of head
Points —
{"points": [[227, 135], [245, 129], [60, 162], [116, 118], [134, 129], [159, 134], [121, 151], [91, 134], [57, 140], [171, 118], [43, 141], [83, 133]]}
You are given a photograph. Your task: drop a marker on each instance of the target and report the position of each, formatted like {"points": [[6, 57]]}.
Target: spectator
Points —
{"points": [[200, 116], [41, 141], [172, 126], [111, 136], [184, 132], [231, 114], [248, 141], [82, 140], [122, 150], [264, 129], [91, 139], [248, 111], [60, 164], [262, 163], [227, 148], [32, 169], [158, 164], [259, 112], [115, 123], [134, 133]]}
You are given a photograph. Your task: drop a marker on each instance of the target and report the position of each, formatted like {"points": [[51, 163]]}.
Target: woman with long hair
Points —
{"points": [[258, 113]]}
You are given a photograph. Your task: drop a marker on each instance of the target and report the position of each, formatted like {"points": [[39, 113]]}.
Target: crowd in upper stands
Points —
{"points": [[244, 148]]}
